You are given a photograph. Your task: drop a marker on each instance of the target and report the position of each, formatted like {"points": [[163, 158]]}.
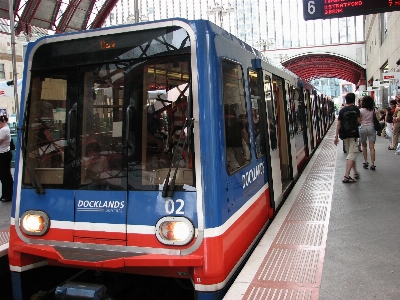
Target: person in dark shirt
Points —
{"points": [[351, 144]]}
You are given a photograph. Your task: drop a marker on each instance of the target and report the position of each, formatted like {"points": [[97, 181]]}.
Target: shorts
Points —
{"points": [[351, 145], [367, 131]]}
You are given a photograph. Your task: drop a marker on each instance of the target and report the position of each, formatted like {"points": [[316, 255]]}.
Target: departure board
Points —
{"points": [[327, 9]]}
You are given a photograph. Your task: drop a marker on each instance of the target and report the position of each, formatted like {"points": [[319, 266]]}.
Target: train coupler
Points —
{"points": [[81, 291]]}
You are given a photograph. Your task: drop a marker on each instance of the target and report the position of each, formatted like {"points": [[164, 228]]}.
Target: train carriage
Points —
{"points": [[160, 148]]}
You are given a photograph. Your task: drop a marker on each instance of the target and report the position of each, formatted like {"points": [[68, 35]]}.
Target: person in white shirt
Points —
{"points": [[5, 160]]}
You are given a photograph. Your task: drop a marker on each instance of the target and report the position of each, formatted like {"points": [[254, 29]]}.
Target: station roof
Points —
{"points": [[57, 15], [314, 66]]}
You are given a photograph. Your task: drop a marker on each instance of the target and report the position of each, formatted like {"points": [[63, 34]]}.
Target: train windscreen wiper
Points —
{"points": [[35, 181], [168, 189]]}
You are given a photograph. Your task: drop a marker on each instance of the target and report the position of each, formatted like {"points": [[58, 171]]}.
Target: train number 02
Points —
{"points": [[170, 206], [311, 7]]}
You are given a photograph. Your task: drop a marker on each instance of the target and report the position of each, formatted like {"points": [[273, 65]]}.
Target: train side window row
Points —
{"points": [[237, 121], [235, 117]]}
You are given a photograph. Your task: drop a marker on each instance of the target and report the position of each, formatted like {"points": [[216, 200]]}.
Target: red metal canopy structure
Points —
{"points": [[57, 15], [312, 66]]}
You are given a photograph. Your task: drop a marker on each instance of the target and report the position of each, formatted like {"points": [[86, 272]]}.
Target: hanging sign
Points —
{"points": [[391, 75], [327, 9]]}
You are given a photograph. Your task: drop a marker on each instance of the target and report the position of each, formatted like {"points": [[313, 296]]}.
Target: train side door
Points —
{"points": [[282, 126], [263, 127], [309, 125], [293, 144], [100, 196], [314, 118], [271, 110]]}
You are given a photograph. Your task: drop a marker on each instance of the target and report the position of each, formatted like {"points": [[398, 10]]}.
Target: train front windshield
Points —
{"points": [[110, 112]]}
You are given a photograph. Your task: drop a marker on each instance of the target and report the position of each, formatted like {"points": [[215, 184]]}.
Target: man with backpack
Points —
{"points": [[347, 130]]}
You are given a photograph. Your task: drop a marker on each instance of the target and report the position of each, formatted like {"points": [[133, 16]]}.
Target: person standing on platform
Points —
{"points": [[396, 126], [5, 160], [389, 120], [347, 129], [344, 149], [367, 131]]}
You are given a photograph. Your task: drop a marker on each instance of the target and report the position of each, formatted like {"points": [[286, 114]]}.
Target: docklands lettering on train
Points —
{"points": [[252, 175], [101, 204]]}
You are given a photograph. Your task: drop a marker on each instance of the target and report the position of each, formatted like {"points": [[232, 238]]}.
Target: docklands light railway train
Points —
{"points": [[161, 148]]}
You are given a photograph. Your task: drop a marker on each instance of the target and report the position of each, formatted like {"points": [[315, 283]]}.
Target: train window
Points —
{"points": [[291, 109], [167, 131], [235, 115], [45, 134], [301, 112], [255, 95], [117, 119], [99, 145]]}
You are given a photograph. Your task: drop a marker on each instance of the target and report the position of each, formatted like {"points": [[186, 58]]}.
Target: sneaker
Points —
{"points": [[5, 200]]}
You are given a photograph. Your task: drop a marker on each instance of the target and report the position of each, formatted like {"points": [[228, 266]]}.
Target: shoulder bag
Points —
{"points": [[377, 125], [12, 145]]}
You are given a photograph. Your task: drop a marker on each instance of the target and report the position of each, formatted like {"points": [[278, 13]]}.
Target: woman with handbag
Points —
{"points": [[5, 160], [367, 130]]}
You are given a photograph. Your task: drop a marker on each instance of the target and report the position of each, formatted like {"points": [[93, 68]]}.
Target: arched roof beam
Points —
{"points": [[76, 16], [103, 13], [39, 13]]}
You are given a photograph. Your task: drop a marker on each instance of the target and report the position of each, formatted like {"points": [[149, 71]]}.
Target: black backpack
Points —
{"points": [[349, 125]]}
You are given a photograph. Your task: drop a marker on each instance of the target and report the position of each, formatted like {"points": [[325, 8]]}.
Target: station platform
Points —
{"points": [[331, 240]]}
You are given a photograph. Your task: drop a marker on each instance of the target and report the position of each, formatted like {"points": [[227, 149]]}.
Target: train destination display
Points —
{"points": [[327, 9]]}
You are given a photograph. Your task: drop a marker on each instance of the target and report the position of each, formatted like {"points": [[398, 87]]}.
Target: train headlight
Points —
{"points": [[174, 231], [35, 222]]}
